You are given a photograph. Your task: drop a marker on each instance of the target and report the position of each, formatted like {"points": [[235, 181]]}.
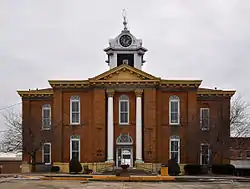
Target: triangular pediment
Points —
{"points": [[124, 73]]}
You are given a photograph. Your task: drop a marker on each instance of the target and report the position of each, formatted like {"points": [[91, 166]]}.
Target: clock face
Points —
{"points": [[125, 40]]}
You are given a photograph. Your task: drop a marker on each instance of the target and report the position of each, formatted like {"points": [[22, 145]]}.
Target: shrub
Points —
{"points": [[75, 166], [173, 167], [55, 169], [223, 169], [193, 169]]}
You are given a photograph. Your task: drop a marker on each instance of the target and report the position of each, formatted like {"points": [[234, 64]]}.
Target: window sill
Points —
{"points": [[124, 124], [204, 129], [75, 124], [46, 129], [175, 124]]}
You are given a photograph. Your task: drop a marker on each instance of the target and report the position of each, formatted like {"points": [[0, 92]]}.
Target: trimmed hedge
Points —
{"points": [[173, 168], [223, 169], [55, 169], [75, 166], [193, 169]]}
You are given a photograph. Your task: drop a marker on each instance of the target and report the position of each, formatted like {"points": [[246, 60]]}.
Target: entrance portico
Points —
{"points": [[124, 149]]}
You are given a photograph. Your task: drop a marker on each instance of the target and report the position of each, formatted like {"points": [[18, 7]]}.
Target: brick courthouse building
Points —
{"points": [[126, 115]]}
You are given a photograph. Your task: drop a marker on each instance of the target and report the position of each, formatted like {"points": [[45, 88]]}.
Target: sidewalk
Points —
{"points": [[110, 178]]}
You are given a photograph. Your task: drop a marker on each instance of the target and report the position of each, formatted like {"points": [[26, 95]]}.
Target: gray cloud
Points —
{"points": [[64, 39]]}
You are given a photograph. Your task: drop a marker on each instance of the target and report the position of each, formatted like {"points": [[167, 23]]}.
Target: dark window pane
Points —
{"points": [[124, 118], [75, 155], [75, 117], [75, 106], [46, 113], [47, 158], [46, 148], [75, 145], [124, 106], [174, 155]]}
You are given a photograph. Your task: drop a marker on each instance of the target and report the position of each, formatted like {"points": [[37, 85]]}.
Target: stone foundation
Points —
{"points": [[95, 167]]}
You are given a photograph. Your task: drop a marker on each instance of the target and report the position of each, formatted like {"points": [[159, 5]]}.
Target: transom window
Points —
{"points": [[174, 152], [46, 116], [74, 110], [204, 118], [75, 147], [123, 109], [204, 154], [174, 110], [47, 153]]}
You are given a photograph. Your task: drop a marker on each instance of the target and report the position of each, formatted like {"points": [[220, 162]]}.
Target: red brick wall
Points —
{"points": [[32, 119], [157, 131]]}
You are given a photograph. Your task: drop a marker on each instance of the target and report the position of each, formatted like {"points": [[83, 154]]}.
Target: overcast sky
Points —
{"points": [[64, 39]]}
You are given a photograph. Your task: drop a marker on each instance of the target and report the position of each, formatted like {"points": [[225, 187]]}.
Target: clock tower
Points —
{"points": [[125, 49]]}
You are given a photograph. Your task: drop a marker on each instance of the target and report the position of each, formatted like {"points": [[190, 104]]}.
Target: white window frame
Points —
{"points": [[204, 144], [46, 107], [173, 139], [123, 98], [174, 99], [75, 99], [201, 118], [75, 138], [46, 143]]}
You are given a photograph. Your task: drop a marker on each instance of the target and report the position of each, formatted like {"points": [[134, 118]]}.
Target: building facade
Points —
{"points": [[126, 116], [240, 152]]}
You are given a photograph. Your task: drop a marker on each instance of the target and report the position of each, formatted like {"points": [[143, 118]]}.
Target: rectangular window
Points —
{"points": [[248, 154], [75, 148], [47, 153], [240, 154], [46, 116], [175, 149], [75, 110], [204, 154], [204, 118], [124, 109]]}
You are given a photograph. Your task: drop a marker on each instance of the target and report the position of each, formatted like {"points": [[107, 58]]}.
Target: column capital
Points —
{"points": [[138, 92], [110, 92]]}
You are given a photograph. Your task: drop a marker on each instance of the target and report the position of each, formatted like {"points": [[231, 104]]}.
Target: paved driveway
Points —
{"points": [[24, 184]]}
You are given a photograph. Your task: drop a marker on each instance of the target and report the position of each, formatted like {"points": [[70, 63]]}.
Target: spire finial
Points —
{"points": [[124, 19]]}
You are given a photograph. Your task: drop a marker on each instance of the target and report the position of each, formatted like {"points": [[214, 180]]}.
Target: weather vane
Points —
{"points": [[124, 19]]}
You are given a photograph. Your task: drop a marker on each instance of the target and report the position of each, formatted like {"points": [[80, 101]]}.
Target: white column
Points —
{"points": [[138, 126], [110, 136]]}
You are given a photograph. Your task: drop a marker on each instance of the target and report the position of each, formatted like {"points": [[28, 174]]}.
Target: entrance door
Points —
{"points": [[124, 150], [124, 156]]}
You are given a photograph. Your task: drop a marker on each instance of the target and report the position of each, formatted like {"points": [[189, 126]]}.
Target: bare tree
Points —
{"points": [[240, 117], [28, 140], [12, 137]]}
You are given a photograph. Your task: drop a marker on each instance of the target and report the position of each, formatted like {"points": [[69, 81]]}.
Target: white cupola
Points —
{"points": [[125, 49]]}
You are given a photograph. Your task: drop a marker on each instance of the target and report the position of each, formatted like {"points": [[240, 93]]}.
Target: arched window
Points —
{"points": [[74, 110], [123, 110], [46, 116], [174, 146], [174, 110]]}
